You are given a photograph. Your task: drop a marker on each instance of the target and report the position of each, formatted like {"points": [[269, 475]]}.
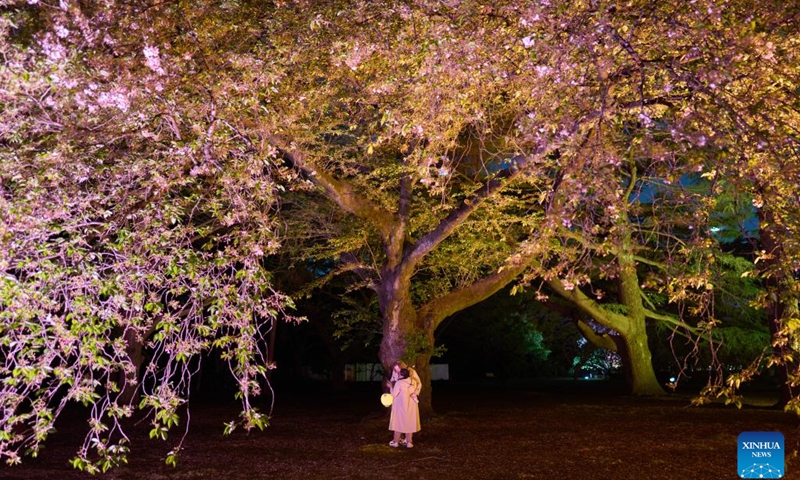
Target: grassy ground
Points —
{"points": [[561, 430]]}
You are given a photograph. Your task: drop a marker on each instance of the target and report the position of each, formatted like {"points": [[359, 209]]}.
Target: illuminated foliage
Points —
{"points": [[133, 223]]}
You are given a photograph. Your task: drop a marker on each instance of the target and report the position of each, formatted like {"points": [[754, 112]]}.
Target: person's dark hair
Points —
{"points": [[404, 373]]}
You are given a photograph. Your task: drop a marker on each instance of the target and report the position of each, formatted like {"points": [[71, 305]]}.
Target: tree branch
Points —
{"points": [[650, 262], [341, 192], [671, 320], [602, 316], [365, 273], [352, 263], [440, 308], [598, 340], [469, 205]]}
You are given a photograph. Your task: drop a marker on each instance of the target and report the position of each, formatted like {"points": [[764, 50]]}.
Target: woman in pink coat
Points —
{"points": [[405, 410]]}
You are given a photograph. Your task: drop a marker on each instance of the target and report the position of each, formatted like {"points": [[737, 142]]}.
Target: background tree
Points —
{"points": [[685, 84], [746, 118]]}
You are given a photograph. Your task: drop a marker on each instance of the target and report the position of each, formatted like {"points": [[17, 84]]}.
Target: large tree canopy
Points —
{"points": [[474, 143], [436, 150]]}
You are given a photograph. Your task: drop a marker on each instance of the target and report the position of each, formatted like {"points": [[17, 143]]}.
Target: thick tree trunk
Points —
{"points": [[634, 349], [636, 357], [637, 363], [399, 318], [631, 344], [631, 327]]}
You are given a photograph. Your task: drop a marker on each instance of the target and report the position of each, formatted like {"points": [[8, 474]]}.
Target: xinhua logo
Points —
{"points": [[761, 455]]}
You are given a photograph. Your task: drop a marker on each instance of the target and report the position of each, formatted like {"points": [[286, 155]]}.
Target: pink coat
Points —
{"points": [[405, 411]]}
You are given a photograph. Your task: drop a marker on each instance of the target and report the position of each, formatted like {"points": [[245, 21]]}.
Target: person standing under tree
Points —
{"points": [[412, 374], [404, 419]]}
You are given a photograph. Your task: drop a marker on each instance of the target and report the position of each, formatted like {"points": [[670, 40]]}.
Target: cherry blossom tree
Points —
{"points": [[588, 117], [134, 218], [438, 151]]}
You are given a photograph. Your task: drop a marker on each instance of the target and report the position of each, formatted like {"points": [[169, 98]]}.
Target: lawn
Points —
{"points": [[558, 430]]}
